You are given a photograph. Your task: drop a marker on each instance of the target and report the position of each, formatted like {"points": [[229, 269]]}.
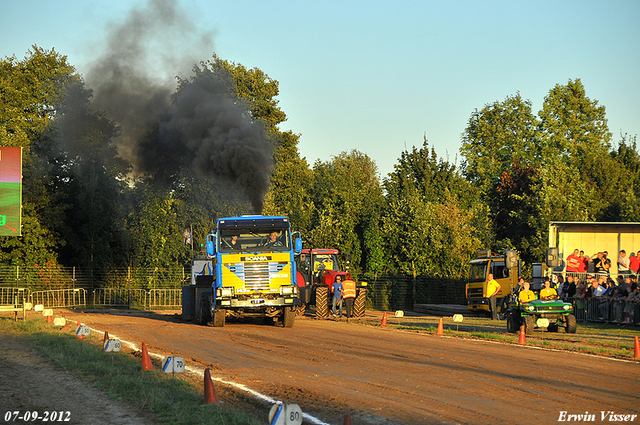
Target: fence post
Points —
{"points": [[413, 285]]}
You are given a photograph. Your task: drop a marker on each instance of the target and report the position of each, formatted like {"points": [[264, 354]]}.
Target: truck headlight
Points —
{"points": [[225, 292], [567, 306], [286, 290], [530, 308]]}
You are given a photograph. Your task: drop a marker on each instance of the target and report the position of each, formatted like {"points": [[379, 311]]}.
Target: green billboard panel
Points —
{"points": [[10, 191]]}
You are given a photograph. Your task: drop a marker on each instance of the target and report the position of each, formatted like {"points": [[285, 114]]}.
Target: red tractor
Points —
{"points": [[317, 270]]}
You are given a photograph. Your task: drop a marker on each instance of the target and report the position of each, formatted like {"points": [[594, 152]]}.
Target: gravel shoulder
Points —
{"points": [[31, 383]]}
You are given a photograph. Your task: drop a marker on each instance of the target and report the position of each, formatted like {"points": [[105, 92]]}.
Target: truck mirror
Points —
{"points": [[211, 246], [298, 247], [510, 259], [553, 258]]}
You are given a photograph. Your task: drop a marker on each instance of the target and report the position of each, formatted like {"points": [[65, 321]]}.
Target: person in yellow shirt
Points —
{"points": [[526, 294], [548, 293], [493, 287]]}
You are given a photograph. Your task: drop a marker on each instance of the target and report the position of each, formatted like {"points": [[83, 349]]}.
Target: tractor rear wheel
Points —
{"points": [[301, 309], [322, 302], [359, 303]]}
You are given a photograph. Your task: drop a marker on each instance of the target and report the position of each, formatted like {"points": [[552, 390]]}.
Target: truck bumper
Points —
{"points": [[478, 304], [235, 303]]}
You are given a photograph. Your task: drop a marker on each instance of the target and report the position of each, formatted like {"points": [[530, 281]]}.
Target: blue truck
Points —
{"points": [[248, 271]]}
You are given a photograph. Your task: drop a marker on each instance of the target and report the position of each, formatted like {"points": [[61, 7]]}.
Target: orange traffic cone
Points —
{"points": [[636, 349], [210, 396], [522, 339], [347, 419], [146, 360], [65, 327], [440, 328], [104, 341], [77, 334], [384, 319]]}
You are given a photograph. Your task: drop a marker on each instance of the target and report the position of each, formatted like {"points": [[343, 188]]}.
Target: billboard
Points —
{"points": [[10, 190]]}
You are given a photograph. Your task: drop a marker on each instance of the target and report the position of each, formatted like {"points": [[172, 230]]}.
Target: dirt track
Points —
{"points": [[380, 375]]}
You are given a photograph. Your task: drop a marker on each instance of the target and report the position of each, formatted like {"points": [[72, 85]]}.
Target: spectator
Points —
{"points": [[560, 288], [548, 293], [623, 263], [493, 287], [618, 296], [526, 294], [634, 262], [598, 263], [573, 261], [337, 290], [607, 265], [630, 306], [349, 294], [583, 263], [598, 290], [569, 290]]}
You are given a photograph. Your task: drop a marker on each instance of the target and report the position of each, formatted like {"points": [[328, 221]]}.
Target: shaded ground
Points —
{"points": [[29, 383]]}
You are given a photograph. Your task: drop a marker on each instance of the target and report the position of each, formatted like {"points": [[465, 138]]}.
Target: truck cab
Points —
{"points": [[505, 270]]}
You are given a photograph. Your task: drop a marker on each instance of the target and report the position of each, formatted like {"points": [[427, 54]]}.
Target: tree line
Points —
{"points": [[86, 204]]}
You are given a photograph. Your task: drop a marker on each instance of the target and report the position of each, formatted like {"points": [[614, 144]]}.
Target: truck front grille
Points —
{"points": [[475, 293], [256, 275]]}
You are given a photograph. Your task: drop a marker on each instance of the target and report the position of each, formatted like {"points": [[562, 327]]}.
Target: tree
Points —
{"points": [[291, 183], [495, 136], [574, 130], [434, 221], [518, 219], [345, 192], [31, 94]]}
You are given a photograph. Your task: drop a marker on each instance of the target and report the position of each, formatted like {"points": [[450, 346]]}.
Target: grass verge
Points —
{"points": [[591, 338], [171, 400]]}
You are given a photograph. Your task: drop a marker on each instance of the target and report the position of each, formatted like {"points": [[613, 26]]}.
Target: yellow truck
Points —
{"points": [[505, 269]]}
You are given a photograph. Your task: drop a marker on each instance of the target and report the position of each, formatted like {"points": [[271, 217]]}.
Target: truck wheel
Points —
{"points": [[512, 326], [359, 303], [205, 313], [288, 317], [529, 324], [301, 309], [219, 318], [322, 302], [571, 325]]}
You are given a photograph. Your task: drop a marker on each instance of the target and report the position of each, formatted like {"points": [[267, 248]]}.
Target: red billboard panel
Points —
{"points": [[10, 190]]}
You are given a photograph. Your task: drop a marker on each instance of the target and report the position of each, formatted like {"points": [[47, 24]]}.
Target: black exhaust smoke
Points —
{"points": [[204, 126]]}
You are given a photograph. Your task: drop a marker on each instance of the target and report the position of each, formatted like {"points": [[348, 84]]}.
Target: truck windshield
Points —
{"points": [[478, 272], [254, 240], [324, 262]]}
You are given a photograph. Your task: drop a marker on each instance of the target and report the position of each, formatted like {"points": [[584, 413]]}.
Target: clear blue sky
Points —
{"points": [[376, 76]]}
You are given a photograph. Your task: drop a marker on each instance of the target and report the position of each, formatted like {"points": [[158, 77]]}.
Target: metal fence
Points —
{"points": [[392, 292], [59, 298], [137, 298], [52, 277], [13, 296], [606, 310]]}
